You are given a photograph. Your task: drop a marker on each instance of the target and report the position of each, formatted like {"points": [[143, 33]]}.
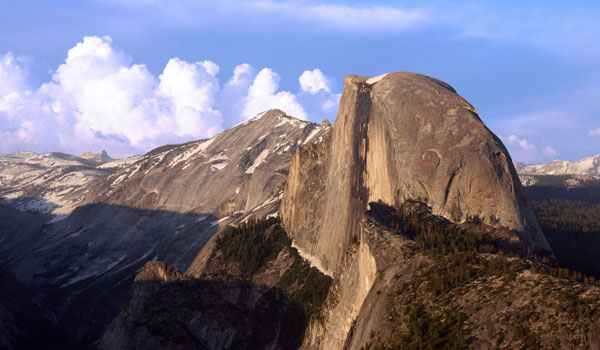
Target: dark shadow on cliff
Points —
{"points": [[414, 220], [81, 268], [572, 229], [207, 314], [253, 292]]}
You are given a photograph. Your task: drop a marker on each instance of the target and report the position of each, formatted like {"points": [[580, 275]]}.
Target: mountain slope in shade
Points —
{"points": [[164, 206], [23, 324]]}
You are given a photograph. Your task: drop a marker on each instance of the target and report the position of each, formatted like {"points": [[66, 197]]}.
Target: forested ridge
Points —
{"points": [[446, 303]]}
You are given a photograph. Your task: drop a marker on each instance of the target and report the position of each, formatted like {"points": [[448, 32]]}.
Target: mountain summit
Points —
{"points": [[401, 136]]}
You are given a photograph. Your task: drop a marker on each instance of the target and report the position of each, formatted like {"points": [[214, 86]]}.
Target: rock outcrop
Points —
{"points": [[401, 136], [397, 137], [256, 292]]}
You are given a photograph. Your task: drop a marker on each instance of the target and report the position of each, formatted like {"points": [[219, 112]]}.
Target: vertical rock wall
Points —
{"points": [[401, 136]]}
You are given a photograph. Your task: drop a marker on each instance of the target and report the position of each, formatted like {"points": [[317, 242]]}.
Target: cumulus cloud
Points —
{"points": [[595, 132], [312, 81], [523, 150], [523, 143], [263, 95], [97, 99], [549, 151], [13, 74]]}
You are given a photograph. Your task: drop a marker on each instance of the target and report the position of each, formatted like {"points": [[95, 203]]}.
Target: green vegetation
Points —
{"points": [[568, 216], [573, 231], [254, 244], [424, 312], [312, 285]]}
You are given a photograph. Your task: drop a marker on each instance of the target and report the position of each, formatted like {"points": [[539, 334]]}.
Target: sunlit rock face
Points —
{"points": [[401, 136]]}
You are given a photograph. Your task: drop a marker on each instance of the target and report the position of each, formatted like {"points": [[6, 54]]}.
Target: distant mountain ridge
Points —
{"points": [[55, 182], [587, 166], [102, 221]]}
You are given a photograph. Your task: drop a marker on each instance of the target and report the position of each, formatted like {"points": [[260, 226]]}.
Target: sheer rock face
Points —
{"points": [[400, 136]]}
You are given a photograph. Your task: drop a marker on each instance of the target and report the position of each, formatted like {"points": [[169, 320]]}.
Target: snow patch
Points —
{"points": [[191, 152], [56, 218], [269, 201], [219, 166], [120, 163], [313, 261], [118, 180], [218, 157], [216, 222], [373, 80], [201, 217], [75, 234], [261, 157], [312, 134], [292, 122]]}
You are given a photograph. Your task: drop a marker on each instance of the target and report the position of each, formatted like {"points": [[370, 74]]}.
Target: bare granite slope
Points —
{"points": [[397, 137], [401, 136], [164, 206]]}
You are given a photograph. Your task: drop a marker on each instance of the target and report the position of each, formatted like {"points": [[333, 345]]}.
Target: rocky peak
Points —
{"points": [[401, 136], [230, 173]]}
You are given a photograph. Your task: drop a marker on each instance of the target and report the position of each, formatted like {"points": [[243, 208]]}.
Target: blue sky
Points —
{"points": [[531, 70]]}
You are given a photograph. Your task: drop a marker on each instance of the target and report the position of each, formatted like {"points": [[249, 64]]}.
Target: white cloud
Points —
{"points": [[13, 74], [572, 31], [190, 90], [595, 132], [523, 150], [232, 98], [344, 17], [549, 151], [241, 74], [568, 30], [523, 143], [97, 99], [312, 81], [263, 13], [263, 95]]}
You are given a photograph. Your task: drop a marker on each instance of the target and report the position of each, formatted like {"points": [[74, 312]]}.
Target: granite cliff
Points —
{"points": [[401, 136], [397, 137]]}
